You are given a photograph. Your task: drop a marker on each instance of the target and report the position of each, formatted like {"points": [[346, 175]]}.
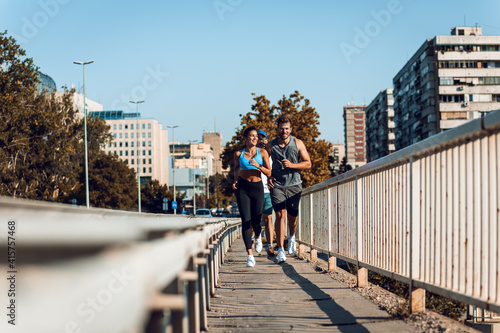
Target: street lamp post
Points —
{"points": [[194, 181], [138, 159], [173, 160], [85, 129]]}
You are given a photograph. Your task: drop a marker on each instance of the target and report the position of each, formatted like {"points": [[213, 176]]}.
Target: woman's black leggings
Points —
{"points": [[250, 197]]}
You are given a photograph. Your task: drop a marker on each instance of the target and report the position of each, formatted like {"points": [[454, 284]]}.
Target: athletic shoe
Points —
{"points": [[291, 244], [258, 245], [270, 251], [250, 261], [281, 255]]}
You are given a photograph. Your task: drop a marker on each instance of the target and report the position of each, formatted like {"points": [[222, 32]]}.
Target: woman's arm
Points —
{"points": [[236, 169]]}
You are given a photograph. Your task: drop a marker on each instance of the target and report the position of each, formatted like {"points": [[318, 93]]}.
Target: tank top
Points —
{"points": [[245, 162], [285, 176]]}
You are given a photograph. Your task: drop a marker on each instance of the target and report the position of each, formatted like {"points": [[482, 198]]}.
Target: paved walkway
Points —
{"points": [[290, 297]]}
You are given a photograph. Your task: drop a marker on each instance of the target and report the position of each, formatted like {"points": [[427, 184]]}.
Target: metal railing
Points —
{"points": [[97, 270], [427, 215]]}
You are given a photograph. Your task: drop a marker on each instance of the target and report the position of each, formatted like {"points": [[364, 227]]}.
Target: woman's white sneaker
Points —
{"points": [[258, 245], [250, 261]]}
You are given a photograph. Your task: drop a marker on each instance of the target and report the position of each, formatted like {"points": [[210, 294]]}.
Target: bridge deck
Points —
{"points": [[290, 297]]}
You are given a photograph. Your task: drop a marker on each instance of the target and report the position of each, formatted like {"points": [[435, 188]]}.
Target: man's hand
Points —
{"points": [[270, 182], [235, 185], [286, 163]]}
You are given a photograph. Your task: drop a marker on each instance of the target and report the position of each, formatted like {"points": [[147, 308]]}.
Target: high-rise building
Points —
{"points": [[380, 126], [450, 80], [145, 146], [46, 83], [214, 139], [354, 130]]}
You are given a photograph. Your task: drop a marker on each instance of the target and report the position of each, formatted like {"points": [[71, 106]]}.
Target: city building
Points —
{"points": [[214, 139], [140, 142], [450, 80], [78, 103], [193, 165], [354, 130], [338, 153], [46, 83], [380, 126]]}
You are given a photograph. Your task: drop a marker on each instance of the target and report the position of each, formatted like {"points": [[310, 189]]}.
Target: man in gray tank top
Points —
{"points": [[289, 156]]}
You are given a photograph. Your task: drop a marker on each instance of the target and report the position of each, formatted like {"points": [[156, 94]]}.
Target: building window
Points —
{"points": [[126, 161], [149, 161], [144, 143], [131, 143], [143, 135], [144, 153], [132, 153], [120, 145], [149, 126], [131, 126], [126, 152], [131, 161], [121, 153], [143, 126], [495, 98], [115, 144], [149, 152], [131, 135], [120, 135], [149, 143], [143, 170], [115, 153], [149, 134], [126, 135], [109, 146], [114, 135], [150, 170], [126, 144], [126, 126], [120, 126]]}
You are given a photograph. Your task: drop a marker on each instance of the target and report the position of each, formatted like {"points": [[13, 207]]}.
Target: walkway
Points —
{"points": [[291, 297]]}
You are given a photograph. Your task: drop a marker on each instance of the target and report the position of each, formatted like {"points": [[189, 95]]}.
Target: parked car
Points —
{"points": [[186, 212], [205, 212], [219, 212]]}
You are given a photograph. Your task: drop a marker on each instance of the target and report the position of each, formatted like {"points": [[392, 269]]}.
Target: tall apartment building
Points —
{"points": [[380, 126], [449, 80], [138, 142], [214, 139], [354, 129]]}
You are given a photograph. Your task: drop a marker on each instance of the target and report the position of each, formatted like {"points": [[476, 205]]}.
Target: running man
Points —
{"points": [[289, 156]]}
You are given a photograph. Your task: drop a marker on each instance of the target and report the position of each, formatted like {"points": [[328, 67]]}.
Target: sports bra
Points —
{"points": [[245, 162]]}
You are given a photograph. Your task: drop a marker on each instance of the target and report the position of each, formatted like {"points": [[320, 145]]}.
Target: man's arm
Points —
{"points": [[305, 162]]}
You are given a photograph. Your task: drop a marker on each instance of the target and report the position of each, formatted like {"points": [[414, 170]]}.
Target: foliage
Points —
{"points": [[304, 126], [344, 167], [152, 195], [216, 184]]}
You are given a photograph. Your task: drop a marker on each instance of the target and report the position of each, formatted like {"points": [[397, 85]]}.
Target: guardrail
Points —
{"points": [[76, 270], [427, 215]]}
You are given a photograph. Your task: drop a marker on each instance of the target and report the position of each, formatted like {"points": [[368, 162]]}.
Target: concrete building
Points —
{"points": [[78, 103], [450, 80], [214, 139], [145, 146], [380, 126], [338, 153], [354, 130]]}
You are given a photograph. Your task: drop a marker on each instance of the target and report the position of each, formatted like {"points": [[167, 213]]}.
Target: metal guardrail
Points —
{"points": [[97, 270], [427, 215]]}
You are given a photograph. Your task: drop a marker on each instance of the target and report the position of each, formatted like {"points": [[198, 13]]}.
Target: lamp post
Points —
{"points": [[85, 129], [194, 181], [173, 127], [138, 159]]}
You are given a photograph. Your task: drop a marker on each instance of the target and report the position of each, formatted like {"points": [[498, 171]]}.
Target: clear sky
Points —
{"points": [[196, 62]]}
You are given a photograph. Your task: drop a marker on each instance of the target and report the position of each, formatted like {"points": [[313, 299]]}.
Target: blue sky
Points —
{"points": [[196, 62]]}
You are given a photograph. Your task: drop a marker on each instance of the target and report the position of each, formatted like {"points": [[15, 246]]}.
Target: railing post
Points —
{"points": [[201, 263]]}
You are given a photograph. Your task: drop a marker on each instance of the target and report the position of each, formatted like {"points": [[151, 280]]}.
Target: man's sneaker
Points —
{"points": [[291, 244], [250, 261], [258, 245], [281, 255], [270, 251]]}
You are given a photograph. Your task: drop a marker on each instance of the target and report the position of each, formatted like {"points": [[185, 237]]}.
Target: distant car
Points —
{"points": [[203, 212], [219, 212], [186, 212]]}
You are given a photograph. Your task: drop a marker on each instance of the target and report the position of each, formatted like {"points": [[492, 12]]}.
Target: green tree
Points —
{"points": [[38, 133], [305, 121], [152, 195], [344, 167]]}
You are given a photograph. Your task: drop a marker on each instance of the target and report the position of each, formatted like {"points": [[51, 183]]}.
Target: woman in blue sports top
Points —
{"points": [[249, 163]]}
